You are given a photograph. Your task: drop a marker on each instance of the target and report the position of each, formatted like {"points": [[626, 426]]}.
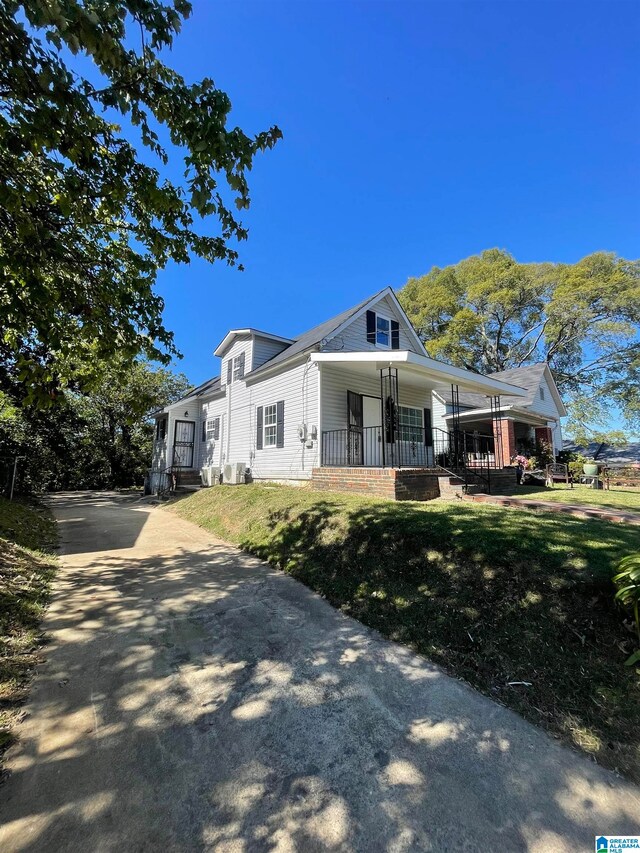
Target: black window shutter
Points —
{"points": [[229, 371], [241, 364], [216, 429], [395, 334], [204, 429], [428, 432], [258, 428], [280, 424], [371, 327]]}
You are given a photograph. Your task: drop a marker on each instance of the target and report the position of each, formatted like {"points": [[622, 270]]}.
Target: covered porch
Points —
{"points": [[377, 412]]}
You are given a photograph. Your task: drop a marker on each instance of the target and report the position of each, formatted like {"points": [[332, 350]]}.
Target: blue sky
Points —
{"points": [[414, 134]]}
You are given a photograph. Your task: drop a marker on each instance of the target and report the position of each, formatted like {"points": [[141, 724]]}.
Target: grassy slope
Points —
{"points": [[27, 565], [494, 595], [619, 497]]}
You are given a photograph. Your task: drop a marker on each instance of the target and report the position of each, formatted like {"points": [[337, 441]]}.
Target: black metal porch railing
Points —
{"points": [[456, 451]]}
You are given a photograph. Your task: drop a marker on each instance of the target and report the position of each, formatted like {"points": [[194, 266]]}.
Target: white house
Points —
{"points": [[355, 394]]}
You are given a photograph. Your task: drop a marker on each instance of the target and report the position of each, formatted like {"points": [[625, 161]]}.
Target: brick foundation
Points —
{"points": [[404, 484], [400, 484]]}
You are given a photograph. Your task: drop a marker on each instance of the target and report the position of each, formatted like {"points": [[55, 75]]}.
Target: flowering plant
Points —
{"points": [[521, 460]]}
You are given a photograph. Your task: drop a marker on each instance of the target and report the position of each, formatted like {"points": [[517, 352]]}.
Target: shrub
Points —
{"points": [[627, 581]]}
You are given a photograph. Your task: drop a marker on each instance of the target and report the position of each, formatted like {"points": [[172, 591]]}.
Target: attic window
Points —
{"points": [[382, 331], [542, 393]]}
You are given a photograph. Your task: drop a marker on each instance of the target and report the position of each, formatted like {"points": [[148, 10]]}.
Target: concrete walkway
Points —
{"points": [[579, 510], [195, 699]]}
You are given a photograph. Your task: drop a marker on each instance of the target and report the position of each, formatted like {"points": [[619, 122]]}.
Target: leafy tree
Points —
{"points": [[490, 313], [99, 439], [86, 221]]}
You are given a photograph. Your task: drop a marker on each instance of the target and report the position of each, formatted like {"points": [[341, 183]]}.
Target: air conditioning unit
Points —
{"points": [[210, 475], [234, 474]]}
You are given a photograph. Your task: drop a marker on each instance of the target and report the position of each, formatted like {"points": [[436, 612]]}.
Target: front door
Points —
{"points": [[183, 444], [372, 431]]}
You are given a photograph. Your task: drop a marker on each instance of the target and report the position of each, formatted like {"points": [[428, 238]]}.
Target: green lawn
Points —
{"points": [[27, 565], [494, 595], [618, 497]]}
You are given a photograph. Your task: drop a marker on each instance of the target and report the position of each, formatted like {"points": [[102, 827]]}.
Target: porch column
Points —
{"points": [[504, 435], [544, 434], [456, 444], [389, 397]]}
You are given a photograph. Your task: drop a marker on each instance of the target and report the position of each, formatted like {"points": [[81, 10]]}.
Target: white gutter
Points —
{"points": [[436, 370]]}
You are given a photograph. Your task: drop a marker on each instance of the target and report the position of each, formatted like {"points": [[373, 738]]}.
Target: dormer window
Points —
{"points": [[382, 332], [238, 366]]}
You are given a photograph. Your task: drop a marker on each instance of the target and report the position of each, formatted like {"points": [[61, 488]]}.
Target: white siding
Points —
{"points": [[298, 388], [335, 384], [241, 343], [546, 407], [265, 349], [210, 451], [354, 337], [439, 410]]}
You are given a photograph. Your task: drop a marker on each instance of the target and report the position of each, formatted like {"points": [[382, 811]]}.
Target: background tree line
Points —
{"points": [[489, 313], [93, 440]]}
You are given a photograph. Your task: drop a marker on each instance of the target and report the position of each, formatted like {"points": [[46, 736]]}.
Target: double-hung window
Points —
{"points": [[212, 430], [410, 424], [270, 426], [383, 331], [238, 366]]}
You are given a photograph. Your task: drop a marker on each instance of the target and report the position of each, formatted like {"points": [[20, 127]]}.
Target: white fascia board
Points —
{"points": [[435, 370], [514, 414]]}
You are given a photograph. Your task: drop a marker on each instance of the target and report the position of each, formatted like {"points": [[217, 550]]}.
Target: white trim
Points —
{"points": [[382, 316], [435, 370], [523, 415]]}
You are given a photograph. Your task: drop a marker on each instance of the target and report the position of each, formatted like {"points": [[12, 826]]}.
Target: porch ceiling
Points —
{"points": [[419, 369]]}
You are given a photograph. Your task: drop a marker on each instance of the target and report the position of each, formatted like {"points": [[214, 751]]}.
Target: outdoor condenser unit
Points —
{"points": [[210, 475], [234, 474]]}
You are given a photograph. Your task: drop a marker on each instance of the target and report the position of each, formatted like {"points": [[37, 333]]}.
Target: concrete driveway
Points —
{"points": [[193, 698]]}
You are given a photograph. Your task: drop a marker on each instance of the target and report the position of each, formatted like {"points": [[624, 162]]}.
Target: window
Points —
{"points": [[410, 424], [383, 331], [238, 366], [213, 429], [541, 393], [270, 425], [161, 428], [270, 420]]}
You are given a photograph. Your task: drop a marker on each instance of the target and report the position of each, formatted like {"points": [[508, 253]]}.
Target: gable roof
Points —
{"points": [[315, 336], [210, 387], [256, 333], [528, 378]]}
